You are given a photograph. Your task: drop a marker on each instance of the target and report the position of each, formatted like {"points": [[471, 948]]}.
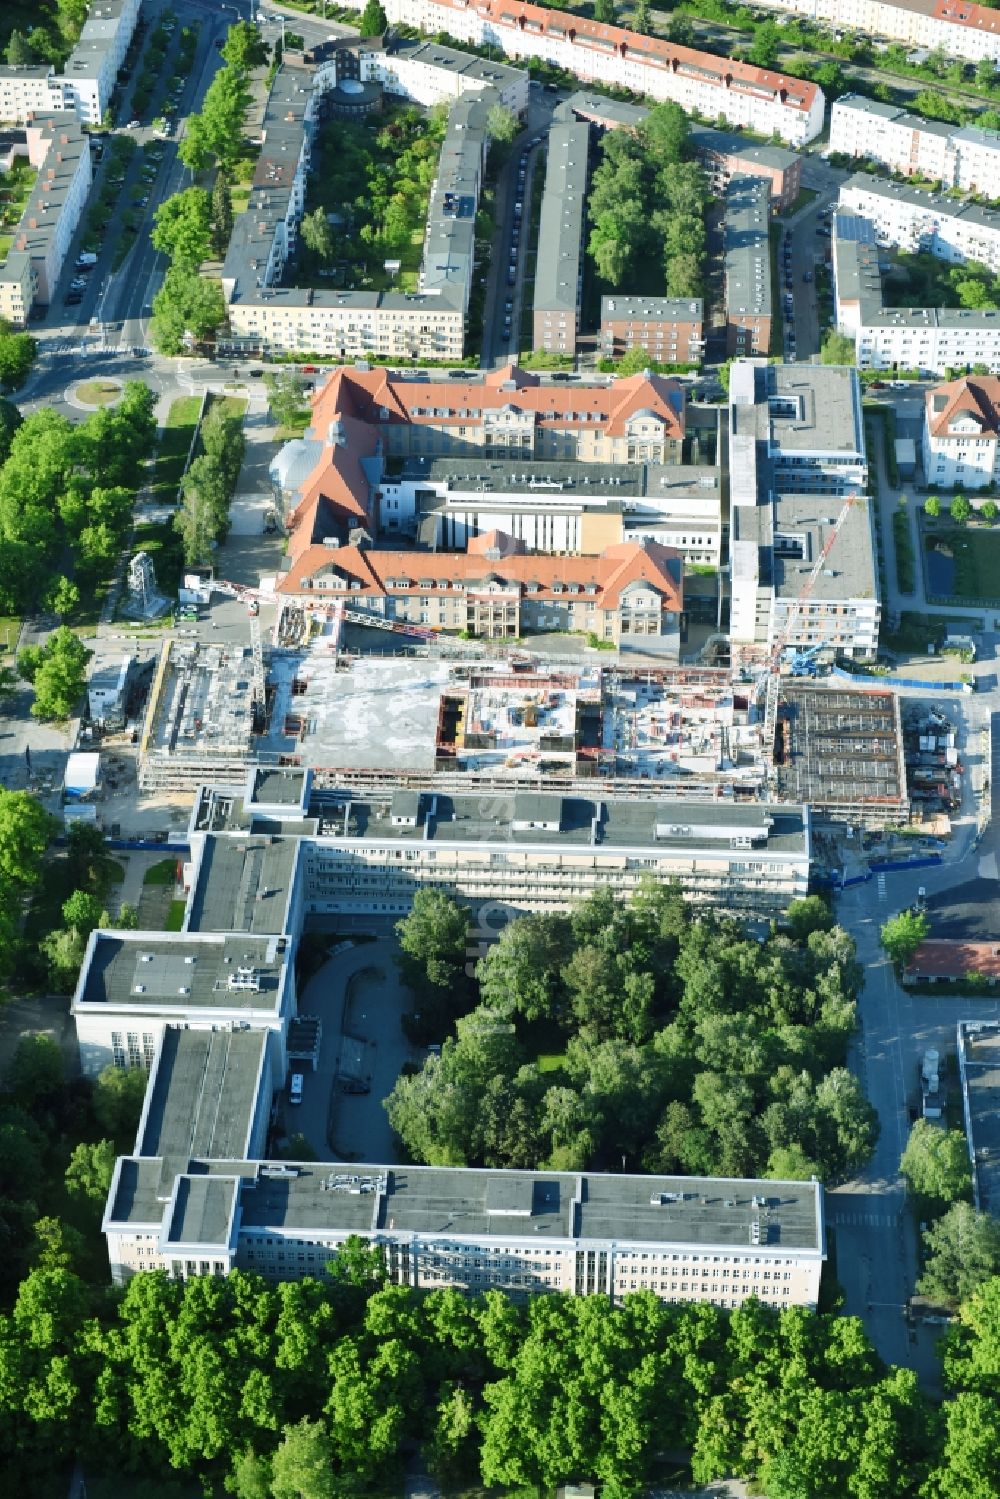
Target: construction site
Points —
{"points": [[841, 751], [205, 705], [548, 723], [372, 721], [685, 723]]}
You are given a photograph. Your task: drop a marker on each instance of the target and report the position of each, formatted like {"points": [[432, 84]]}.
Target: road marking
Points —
{"points": [[881, 887], [865, 1220]]}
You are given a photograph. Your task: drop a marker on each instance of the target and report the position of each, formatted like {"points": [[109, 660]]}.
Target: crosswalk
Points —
{"points": [[864, 1220], [880, 883]]}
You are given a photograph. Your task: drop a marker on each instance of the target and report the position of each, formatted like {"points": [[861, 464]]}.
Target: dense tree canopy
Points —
{"points": [[67, 490], [646, 205], [647, 1030], [318, 1388], [936, 1163]]}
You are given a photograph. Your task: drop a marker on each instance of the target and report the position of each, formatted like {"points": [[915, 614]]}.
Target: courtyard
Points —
{"points": [[358, 996]]}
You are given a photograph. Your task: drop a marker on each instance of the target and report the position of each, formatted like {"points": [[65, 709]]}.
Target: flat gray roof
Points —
{"points": [[653, 309], [802, 409], [979, 1044], [809, 519], [202, 1211], [163, 972], [202, 1096], [343, 1198], [560, 230], [277, 788], [599, 823], [748, 257], [243, 885]]}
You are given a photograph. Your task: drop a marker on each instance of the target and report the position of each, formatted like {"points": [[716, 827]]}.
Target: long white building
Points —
{"points": [[917, 219], [912, 338], [959, 28], [700, 82], [914, 147], [210, 1012], [87, 81], [56, 146]]}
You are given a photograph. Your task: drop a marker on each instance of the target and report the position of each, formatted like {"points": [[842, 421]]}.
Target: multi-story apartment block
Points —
{"points": [[917, 219], [28, 91], [427, 324], [670, 329], [924, 338], [977, 161], [559, 260], [89, 75], [724, 153], [968, 159], [958, 27], [631, 594], [797, 451], [903, 142], [717, 88], [748, 267], [55, 145], [962, 432], [727, 155], [428, 73]]}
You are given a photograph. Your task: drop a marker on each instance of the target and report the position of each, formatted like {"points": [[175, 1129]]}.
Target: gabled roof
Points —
{"points": [[379, 572], [380, 397], [976, 396]]}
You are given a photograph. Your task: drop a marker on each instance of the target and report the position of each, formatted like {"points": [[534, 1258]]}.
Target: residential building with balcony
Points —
{"points": [[700, 82]]}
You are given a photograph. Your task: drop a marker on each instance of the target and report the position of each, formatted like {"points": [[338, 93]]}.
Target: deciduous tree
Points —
{"points": [[936, 1163], [901, 935]]}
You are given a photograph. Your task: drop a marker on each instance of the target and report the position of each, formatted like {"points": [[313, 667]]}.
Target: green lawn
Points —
{"points": [[551, 1061], [99, 392], [175, 916], [163, 873], [977, 563], [175, 440], [10, 628]]}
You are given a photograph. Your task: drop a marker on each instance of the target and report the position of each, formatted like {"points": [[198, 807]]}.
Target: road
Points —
{"points": [[876, 1239], [496, 349]]}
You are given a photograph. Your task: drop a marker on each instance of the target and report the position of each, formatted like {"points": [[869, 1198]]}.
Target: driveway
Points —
{"points": [[359, 998]]}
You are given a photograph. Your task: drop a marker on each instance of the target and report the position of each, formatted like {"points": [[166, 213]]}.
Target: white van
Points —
{"points": [[295, 1088]]}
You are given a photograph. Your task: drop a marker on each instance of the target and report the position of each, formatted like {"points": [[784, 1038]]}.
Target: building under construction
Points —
{"points": [[841, 751], [547, 722], [205, 706]]}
